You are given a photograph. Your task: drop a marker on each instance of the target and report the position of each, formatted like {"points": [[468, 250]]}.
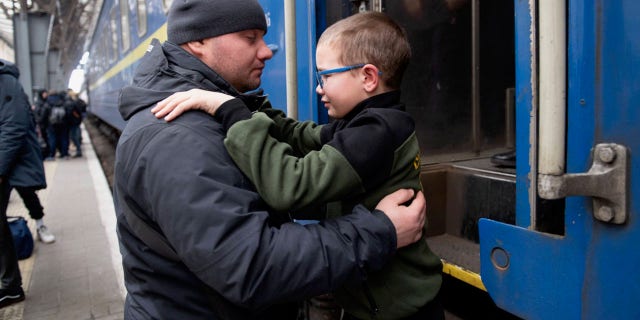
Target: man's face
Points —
{"points": [[238, 57]]}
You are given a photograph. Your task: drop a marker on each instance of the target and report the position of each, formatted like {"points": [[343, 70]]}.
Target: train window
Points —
{"points": [[142, 17], [113, 32], [339, 9], [124, 25], [166, 4], [105, 47], [460, 113], [104, 60]]}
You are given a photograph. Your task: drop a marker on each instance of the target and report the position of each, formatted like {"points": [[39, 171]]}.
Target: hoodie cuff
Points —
{"points": [[231, 112]]}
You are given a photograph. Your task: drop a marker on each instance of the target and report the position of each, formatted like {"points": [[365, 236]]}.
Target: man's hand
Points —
{"points": [[194, 99], [408, 220]]}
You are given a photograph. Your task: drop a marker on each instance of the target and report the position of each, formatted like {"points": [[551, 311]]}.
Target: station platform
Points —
{"points": [[79, 276]]}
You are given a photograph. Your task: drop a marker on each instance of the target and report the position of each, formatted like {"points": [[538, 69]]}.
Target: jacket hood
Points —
{"points": [[165, 69], [7, 67]]}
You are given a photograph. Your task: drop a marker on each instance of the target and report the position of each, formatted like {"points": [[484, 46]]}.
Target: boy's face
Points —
{"points": [[341, 91]]}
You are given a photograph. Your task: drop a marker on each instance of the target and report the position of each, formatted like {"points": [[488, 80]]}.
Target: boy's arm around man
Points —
{"points": [[294, 164]]}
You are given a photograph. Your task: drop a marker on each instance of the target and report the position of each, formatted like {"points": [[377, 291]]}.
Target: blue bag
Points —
{"points": [[22, 238]]}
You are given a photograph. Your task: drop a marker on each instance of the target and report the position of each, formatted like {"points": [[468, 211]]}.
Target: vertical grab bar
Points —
{"points": [[291, 54], [553, 90]]}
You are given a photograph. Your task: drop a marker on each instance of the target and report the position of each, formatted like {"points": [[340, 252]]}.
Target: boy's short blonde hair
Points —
{"points": [[371, 37]]}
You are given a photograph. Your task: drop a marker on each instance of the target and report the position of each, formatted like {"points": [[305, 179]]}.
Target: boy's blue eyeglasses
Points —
{"points": [[320, 74]]}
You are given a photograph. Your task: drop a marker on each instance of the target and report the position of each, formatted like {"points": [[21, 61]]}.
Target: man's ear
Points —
{"points": [[194, 47], [371, 80]]}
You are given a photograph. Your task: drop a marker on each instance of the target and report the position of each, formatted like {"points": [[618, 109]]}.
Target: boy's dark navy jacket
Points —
{"points": [[178, 178], [360, 158], [20, 156]]}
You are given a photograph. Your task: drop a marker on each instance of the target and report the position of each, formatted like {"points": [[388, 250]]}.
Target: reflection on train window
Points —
{"points": [[103, 63], [124, 25], [142, 17], [113, 48], [438, 85], [166, 4]]}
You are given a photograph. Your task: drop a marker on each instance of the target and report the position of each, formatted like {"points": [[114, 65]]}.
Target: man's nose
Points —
{"points": [[265, 53]]}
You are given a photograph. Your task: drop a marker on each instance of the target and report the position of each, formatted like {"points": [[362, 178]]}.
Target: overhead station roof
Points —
{"points": [[73, 22], [6, 30]]}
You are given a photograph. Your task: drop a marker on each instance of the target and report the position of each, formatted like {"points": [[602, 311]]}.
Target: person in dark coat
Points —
{"points": [[211, 248], [29, 193], [42, 121], [20, 166], [57, 126], [76, 108]]}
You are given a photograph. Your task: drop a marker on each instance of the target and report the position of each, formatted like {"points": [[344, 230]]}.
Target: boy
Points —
{"points": [[370, 150]]}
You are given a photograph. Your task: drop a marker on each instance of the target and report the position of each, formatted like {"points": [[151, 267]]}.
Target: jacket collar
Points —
{"points": [[390, 100]]}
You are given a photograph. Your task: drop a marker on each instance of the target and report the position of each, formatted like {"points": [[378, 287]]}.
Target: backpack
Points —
{"points": [[57, 115], [22, 238]]}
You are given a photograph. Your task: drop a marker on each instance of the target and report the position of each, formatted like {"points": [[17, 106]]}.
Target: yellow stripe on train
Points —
{"points": [[462, 274], [133, 56]]}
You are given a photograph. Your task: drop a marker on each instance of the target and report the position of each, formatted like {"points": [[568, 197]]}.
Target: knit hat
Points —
{"points": [[191, 20]]}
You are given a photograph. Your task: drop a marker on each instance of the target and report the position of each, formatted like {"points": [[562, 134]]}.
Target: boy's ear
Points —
{"points": [[371, 80]]}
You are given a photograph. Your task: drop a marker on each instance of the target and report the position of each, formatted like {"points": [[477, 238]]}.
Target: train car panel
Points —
{"points": [[274, 77], [588, 270], [113, 56]]}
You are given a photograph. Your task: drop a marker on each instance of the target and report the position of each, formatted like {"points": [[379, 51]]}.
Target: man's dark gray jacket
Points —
{"points": [[179, 179]]}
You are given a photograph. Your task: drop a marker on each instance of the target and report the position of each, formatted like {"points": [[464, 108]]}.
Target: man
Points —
{"points": [[196, 239], [76, 109], [41, 120], [20, 166]]}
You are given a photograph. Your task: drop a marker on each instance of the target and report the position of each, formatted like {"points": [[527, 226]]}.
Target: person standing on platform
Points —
{"points": [[197, 241], [76, 109], [58, 125], [29, 194], [40, 111], [20, 166]]}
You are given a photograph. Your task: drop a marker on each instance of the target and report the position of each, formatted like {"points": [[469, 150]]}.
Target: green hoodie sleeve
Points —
{"points": [[284, 179], [303, 137]]}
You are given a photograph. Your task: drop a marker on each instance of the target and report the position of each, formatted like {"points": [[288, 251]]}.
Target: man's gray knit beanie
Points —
{"points": [[191, 20]]}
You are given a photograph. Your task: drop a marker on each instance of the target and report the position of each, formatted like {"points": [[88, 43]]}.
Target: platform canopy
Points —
{"points": [[73, 21]]}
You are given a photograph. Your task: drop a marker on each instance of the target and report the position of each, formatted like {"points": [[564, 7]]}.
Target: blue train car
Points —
{"points": [[125, 29], [122, 34], [577, 132], [527, 126]]}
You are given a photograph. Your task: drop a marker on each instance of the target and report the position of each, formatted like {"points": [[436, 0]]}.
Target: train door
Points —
{"points": [[459, 87], [577, 129]]}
